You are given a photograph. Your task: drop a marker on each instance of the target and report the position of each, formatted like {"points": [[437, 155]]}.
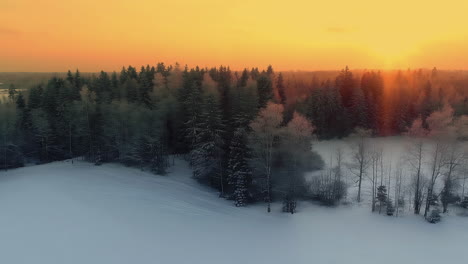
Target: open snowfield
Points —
{"points": [[81, 213]]}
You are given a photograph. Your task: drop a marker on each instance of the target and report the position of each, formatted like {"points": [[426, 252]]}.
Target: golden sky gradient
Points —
{"points": [[52, 35]]}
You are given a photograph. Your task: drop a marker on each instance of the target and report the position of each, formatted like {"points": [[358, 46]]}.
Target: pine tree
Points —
{"points": [[281, 89], [434, 216], [359, 110], [239, 172], [464, 202], [77, 84], [193, 113], [381, 196], [242, 82], [70, 77], [20, 103], [12, 92], [145, 80], [265, 90], [346, 85], [114, 83], [131, 88], [447, 196], [207, 153], [390, 208]]}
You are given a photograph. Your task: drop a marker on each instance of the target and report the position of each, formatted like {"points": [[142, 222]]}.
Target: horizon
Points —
{"points": [[117, 70]]}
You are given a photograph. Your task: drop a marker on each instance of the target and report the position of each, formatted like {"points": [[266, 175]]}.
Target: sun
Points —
{"points": [[394, 54]]}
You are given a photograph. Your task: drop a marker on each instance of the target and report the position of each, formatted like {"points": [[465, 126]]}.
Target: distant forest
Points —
{"points": [[241, 131]]}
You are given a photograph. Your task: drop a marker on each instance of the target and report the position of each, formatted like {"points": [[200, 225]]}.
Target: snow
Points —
{"points": [[395, 153], [81, 213]]}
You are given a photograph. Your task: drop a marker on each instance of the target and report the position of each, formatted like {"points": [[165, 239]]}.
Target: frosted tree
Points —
{"points": [[440, 123], [461, 127], [298, 137], [416, 129], [265, 131]]}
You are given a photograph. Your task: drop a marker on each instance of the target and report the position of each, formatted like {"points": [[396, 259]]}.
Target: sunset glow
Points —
{"points": [[51, 35]]}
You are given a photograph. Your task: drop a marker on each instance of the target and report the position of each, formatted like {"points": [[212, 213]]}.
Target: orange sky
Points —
{"points": [[52, 35]]}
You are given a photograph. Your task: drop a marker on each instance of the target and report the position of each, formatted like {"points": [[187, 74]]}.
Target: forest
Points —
{"points": [[250, 134]]}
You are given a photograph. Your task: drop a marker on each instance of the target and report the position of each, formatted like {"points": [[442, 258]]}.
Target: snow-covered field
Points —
{"points": [[81, 213]]}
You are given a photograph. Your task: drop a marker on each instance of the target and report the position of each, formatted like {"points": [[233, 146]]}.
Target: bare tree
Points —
{"points": [[436, 164], [454, 159], [338, 170], [398, 184], [375, 157], [464, 175], [360, 159], [415, 158]]}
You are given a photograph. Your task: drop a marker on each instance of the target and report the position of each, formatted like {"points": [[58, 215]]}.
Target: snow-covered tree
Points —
{"points": [[434, 216], [265, 131], [10, 154], [207, 153], [440, 123], [239, 171], [416, 129], [298, 137]]}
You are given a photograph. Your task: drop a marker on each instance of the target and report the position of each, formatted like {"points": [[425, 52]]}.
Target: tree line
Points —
{"points": [[247, 134]]}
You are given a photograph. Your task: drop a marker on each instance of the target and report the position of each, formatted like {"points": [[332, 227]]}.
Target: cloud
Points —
{"points": [[9, 32]]}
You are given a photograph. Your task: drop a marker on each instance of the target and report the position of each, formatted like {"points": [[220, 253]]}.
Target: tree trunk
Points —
{"points": [[70, 141]]}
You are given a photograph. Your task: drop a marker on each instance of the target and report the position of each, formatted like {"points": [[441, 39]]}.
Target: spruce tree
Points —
{"points": [[242, 82], [381, 196], [464, 202], [281, 89], [12, 92], [390, 207], [265, 90], [207, 153], [434, 216], [239, 171]]}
